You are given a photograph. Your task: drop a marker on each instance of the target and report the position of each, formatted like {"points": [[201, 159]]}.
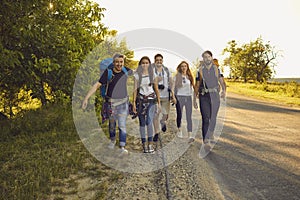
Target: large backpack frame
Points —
{"points": [[107, 64]]}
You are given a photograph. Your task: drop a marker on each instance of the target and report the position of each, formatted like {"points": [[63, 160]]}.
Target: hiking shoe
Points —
{"points": [[191, 139], [124, 151], [150, 148], [112, 144], [163, 126], [206, 141], [212, 140], [145, 149], [155, 138], [179, 134]]}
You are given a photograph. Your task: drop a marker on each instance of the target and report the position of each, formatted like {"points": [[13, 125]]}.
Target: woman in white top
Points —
{"points": [[184, 90], [145, 96]]}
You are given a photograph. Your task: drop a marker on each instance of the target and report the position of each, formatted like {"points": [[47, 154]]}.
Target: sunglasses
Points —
{"points": [[183, 80]]}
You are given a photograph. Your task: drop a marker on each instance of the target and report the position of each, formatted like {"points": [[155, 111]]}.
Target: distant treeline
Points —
{"points": [[285, 80]]}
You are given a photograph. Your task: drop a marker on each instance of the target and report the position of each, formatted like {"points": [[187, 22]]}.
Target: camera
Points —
{"points": [[161, 87], [134, 116]]}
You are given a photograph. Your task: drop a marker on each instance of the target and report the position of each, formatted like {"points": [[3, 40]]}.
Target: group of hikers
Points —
{"points": [[154, 90]]}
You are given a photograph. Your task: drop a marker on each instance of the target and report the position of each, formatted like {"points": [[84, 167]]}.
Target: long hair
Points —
{"points": [[178, 82], [139, 70]]}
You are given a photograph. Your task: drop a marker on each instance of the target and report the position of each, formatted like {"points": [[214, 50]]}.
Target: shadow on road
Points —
{"points": [[252, 169], [258, 106]]}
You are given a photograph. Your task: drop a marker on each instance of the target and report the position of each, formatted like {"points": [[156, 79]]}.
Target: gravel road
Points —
{"points": [[257, 157]]}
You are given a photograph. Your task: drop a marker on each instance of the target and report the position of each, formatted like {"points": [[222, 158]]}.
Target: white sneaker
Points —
{"points": [[112, 144], [191, 139], [212, 140], [179, 134], [124, 151], [145, 148], [150, 149]]}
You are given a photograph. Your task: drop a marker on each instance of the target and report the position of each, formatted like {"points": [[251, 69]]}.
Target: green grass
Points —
{"points": [[39, 153], [281, 93]]}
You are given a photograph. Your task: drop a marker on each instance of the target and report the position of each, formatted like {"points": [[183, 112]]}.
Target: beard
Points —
{"points": [[158, 65], [207, 62]]}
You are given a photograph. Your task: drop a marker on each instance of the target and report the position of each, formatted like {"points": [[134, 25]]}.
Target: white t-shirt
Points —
{"points": [[163, 93], [145, 89], [186, 89]]}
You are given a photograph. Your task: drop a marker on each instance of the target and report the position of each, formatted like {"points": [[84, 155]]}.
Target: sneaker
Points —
{"points": [[191, 139], [206, 141], [179, 134], [212, 140], [163, 126], [112, 144], [145, 149], [124, 151], [155, 138], [150, 148]]}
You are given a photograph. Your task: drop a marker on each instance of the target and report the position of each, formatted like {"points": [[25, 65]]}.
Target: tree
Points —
{"points": [[44, 46], [251, 61]]}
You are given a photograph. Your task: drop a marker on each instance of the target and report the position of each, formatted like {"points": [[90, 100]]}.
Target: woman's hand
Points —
{"points": [[158, 110], [223, 95], [195, 104], [174, 101], [134, 108]]}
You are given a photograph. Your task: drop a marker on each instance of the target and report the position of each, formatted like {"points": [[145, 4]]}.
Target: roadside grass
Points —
{"points": [[280, 93], [42, 157]]}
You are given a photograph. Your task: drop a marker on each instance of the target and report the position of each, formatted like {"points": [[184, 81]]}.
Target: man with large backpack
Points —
{"points": [[166, 94], [116, 98], [207, 88]]}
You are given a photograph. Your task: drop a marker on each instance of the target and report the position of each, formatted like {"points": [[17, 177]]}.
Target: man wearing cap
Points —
{"points": [[117, 97]]}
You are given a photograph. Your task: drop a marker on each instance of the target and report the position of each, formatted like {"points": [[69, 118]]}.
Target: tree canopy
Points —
{"points": [[43, 44], [251, 61]]}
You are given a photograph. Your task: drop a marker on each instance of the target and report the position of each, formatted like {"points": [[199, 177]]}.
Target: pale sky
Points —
{"points": [[213, 23]]}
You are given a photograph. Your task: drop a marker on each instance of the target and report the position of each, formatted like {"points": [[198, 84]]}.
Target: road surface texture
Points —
{"points": [[256, 157]]}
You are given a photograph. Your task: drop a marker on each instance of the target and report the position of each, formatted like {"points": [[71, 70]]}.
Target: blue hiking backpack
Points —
{"points": [[108, 64]]}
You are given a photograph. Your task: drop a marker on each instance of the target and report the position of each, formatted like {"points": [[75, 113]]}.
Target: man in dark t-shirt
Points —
{"points": [[208, 80], [116, 98], [117, 87]]}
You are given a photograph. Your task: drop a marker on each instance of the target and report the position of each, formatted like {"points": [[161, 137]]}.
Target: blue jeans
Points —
{"points": [[146, 119], [184, 101], [209, 107], [118, 113]]}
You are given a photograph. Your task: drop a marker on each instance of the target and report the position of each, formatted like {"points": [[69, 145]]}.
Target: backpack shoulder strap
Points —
{"points": [[216, 71], [168, 73], [109, 74], [125, 71], [200, 73], [140, 80], [167, 70]]}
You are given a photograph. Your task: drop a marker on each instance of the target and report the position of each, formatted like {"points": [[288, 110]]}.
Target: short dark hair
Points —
{"points": [[118, 55], [207, 52], [158, 55]]}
